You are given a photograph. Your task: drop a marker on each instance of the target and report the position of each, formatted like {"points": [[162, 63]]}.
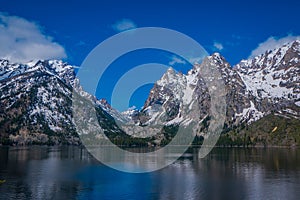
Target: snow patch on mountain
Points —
{"points": [[273, 75]]}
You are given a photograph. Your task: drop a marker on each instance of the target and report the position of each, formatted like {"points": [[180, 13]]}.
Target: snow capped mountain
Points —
{"points": [[57, 68], [36, 98], [167, 93], [172, 87], [274, 74], [36, 103], [273, 78], [266, 84]]}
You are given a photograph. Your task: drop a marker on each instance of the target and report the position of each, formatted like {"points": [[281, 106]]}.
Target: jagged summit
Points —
{"points": [[273, 75], [36, 97], [255, 88], [169, 77], [216, 58], [280, 58], [36, 103], [58, 68]]}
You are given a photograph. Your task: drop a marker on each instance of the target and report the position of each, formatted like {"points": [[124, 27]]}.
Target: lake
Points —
{"points": [[69, 172]]}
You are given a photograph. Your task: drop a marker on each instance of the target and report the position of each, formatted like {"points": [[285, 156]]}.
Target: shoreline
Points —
{"points": [[144, 147]]}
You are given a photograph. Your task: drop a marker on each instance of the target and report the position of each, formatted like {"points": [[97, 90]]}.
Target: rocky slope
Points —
{"points": [[192, 85], [255, 88], [36, 100], [273, 78], [36, 103]]}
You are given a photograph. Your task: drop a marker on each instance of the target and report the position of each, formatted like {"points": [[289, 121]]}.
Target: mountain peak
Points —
{"points": [[169, 77], [274, 74], [216, 54], [217, 59], [40, 91], [283, 57], [171, 71]]}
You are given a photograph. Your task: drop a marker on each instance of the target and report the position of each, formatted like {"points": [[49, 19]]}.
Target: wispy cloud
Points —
{"points": [[176, 60], [272, 43], [22, 41], [196, 60], [219, 46], [123, 25], [81, 43], [190, 60]]}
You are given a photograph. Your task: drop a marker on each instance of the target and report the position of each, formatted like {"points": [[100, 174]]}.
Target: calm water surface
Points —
{"points": [[41, 172]]}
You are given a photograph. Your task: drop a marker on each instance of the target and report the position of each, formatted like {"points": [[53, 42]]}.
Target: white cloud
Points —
{"points": [[81, 43], [272, 43], [190, 60], [22, 41], [123, 25], [218, 46], [195, 60], [176, 60]]}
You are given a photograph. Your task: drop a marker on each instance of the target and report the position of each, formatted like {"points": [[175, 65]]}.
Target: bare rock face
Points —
{"points": [[36, 103], [36, 97], [269, 83]]}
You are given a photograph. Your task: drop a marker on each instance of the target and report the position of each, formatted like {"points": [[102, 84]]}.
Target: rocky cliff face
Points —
{"points": [[255, 88], [273, 79], [36, 97], [36, 103]]}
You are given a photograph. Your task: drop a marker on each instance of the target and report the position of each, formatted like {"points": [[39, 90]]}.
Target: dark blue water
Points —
{"points": [[39, 172]]}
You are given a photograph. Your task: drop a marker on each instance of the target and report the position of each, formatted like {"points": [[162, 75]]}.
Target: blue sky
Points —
{"points": [[70, 29]]}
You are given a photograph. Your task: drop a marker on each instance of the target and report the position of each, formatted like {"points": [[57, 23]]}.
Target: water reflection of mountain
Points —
{"points": [[41, 172]]}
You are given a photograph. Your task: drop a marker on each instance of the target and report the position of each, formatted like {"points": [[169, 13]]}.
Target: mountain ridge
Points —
{"points": [[255, 88]]}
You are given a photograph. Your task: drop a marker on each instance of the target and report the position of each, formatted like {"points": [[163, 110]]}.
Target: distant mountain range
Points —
{"points": [[262, 97]]}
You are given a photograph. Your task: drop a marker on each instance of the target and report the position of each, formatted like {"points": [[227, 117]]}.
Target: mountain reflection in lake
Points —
{"points": [[68, 172]]}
